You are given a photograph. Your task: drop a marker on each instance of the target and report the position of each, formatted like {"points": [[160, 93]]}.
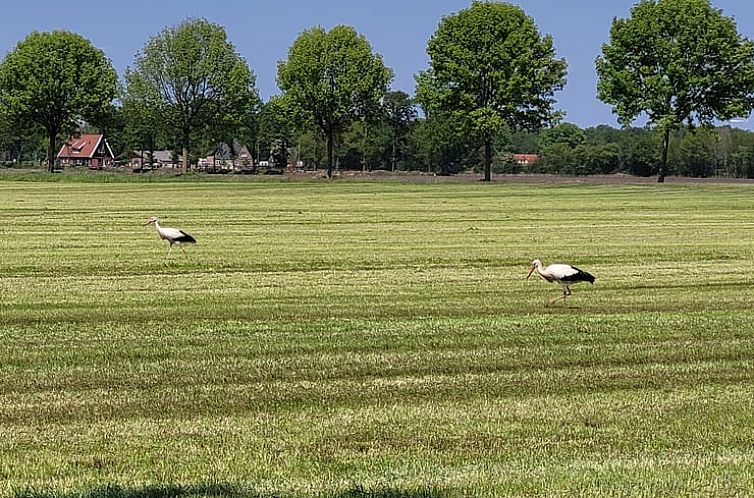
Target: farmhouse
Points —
{"points": [[525, 159], [244, 157], [140, 159], [225, 159], [90, 150]]}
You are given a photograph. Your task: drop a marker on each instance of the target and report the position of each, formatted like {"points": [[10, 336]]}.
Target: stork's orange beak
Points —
{"points": [[531, 270], [147, 222]]}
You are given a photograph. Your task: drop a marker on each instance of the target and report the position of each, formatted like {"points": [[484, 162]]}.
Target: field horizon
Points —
{"points": [[351, 339]]}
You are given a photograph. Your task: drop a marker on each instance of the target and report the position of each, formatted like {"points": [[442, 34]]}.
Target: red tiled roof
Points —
{"points": [[83, 146], [526, 158]]}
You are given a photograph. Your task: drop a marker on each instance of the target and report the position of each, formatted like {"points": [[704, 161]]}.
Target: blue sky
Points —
{"points": [[262, 31]]}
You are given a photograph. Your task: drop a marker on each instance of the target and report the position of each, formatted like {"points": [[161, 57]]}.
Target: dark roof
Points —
{"points": [[222, 151]]}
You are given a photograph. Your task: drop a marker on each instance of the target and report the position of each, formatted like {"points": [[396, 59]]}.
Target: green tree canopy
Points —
{"points": [[275, 124], [55, 79], [438, 144], [490, 64], [276, 130], [676, 61], [144, 128], [331, 79], [562, 133], [191, 76], [20, 140]]}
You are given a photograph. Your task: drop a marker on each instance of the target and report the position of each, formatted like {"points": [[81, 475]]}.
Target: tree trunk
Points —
{"points": [[150, 142], [329, 153], [185, 161], [393, 154], [487, 158], [364, 151], [664, 160], [19, 146], [51, 150]]}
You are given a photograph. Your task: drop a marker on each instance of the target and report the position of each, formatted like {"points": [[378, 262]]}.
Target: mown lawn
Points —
{"points": [[375, 339]]}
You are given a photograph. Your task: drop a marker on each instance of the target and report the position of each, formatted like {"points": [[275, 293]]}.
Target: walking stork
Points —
{"points": [[565, 275], [172, 235]]}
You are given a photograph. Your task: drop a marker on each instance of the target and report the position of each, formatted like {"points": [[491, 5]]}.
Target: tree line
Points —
{"points": [[489, 92]]}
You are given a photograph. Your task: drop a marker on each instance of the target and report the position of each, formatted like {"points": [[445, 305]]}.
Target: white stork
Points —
{"points": [[172, 235], [565, 275]]}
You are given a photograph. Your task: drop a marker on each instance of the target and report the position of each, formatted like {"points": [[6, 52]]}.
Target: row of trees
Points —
{"points": [[430, 146], [568, 149], [491, 81]]}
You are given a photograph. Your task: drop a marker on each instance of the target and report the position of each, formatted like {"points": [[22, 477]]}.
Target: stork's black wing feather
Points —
{"points": [[579, 276], [185, 238]]}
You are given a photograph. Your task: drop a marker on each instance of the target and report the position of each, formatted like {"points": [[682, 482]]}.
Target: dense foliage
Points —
{"points": [[332, 79], [53, 80], [677, 61], [191, 78], [491, 69], [484, 97]]}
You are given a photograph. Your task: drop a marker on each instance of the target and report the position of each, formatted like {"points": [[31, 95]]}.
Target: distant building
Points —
{"points": [[160, 159], [525, 159], [244, 157], [224, 159], [89, 150]]}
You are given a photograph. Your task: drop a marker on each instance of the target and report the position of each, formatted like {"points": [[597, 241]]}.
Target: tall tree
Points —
{"points": [[490, 64], [311, 146], [54, 79], [676, 61], [276, 131], [237, 128], [189, 75], [331, 79], [401, 112], [144, 128], [437, 144]]}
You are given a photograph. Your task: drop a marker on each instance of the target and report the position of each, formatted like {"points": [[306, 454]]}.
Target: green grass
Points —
{"points": [[375, 339]]}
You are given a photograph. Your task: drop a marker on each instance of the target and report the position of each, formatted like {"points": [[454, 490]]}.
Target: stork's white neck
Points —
{"points": [[159, 228], [545, 276]]}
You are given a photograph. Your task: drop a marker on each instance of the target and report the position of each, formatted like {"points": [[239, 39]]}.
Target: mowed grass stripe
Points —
{"points": [[344, 338], [230, 358]]}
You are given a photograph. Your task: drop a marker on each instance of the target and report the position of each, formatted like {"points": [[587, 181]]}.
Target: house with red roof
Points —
{"points": [[526, 159], [89, 150]]}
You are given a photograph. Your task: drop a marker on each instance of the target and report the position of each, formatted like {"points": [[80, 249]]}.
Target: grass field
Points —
{"points": [[375, 339]]}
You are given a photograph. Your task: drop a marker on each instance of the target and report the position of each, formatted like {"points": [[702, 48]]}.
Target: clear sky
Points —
{"points": [[263, 30]]}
